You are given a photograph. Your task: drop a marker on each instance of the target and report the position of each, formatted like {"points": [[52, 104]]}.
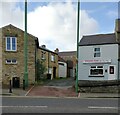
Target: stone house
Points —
{"points": [[50, 60], [12, 39], [70, 58], [99, 56]]}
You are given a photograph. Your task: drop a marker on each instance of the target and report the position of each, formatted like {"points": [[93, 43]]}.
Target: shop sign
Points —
{"points": [[96, 61]]}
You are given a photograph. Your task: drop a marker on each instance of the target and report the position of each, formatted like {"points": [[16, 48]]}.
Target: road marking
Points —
{"points": [[29, 91], [97, 107], [23, 106]]}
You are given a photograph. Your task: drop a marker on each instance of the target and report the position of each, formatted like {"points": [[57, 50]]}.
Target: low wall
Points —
{"points": [[99, 86]]}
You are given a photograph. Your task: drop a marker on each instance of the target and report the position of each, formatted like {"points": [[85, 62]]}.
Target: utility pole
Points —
{"points": [[77, 45], [25, 79]]}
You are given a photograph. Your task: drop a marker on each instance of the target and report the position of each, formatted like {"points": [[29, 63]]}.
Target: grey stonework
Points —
{"points": [[112, 86]]}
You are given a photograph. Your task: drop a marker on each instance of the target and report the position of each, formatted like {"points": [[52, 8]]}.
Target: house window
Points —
{"points": [[50, 70], [42, 55], [96, 71], [97, 52], [11, 44], [53, 58], [11, 61]]}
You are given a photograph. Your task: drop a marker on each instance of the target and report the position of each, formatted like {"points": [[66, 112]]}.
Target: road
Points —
{"points": [[58, 105]]}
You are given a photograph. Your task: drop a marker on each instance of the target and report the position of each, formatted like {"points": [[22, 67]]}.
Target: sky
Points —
{"points": [[55, 22]]}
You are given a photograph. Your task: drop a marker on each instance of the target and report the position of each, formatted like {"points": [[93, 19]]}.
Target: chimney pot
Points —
{"points": [[57, 50], [43, 46]]}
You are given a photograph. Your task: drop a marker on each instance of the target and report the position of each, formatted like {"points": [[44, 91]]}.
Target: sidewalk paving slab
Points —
{"points": [[15, 91], [52, 91]]}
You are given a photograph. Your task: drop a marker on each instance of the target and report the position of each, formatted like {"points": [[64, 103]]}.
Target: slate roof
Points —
{"points": [[67, 53], [61, 59], [99, 39], [45, 49]]}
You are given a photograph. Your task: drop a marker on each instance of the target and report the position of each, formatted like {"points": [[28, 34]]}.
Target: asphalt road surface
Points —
{"points": [[58, 105]]}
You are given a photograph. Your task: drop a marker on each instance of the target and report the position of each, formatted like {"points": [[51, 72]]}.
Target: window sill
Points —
{"points": [[11, 63], [96, 75], [11, 51], [43, 59]]}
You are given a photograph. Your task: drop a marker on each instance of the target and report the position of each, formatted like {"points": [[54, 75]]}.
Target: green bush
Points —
{"points": [[41, 69]]}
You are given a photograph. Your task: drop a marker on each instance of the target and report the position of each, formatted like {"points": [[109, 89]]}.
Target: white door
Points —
{"points": [[111, 72]]}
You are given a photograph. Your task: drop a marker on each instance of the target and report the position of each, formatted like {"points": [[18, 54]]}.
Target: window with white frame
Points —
{"points": [[11, 61], [43, 55], [11, 44], [53, 58], [97, 52], [96, 71], [50, 70]]}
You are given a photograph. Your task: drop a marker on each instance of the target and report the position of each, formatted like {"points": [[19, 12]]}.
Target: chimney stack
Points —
{"points": [[43, 46], [117, 30], [57, 50]]}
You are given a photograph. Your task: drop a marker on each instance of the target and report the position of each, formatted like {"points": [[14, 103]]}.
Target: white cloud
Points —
{"points": [[88, 25], [11, 14], [54, 24]]}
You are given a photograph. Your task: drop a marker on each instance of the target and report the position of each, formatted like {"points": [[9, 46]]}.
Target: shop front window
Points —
{"points": [[96, 71]]}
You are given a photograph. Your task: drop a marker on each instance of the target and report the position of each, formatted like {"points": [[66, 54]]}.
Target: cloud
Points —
{"points": [[54, 24], [88, 25], [11, 14]]}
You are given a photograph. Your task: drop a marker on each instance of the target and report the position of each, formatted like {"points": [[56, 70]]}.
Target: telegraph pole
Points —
{"points": [[77, 45], [25, 79]]}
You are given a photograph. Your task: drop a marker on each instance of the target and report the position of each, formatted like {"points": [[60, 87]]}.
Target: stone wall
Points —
{"points": [[47, 60], [99, 86], [17, 70]]}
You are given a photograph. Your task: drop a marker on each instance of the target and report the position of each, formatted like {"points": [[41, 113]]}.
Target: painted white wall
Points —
{"points": [[109, 51], [0, 67], [62, 69]]}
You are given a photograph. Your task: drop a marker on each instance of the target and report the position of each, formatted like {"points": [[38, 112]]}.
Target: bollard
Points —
{"points": [[10, 86], [78, 93], [23, 84]]}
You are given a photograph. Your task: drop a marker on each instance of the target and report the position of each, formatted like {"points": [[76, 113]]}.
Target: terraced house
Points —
{"points": [[99, 56], [12, 57], [12, 41], [50, 61]]}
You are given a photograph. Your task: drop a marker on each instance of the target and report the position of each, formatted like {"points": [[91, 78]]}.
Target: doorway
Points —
{"points": [[112, 72], [16, 82], [54, 72]]}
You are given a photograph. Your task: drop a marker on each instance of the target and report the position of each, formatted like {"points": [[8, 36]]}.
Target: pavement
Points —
{"points": [[15, 91], [55, 92], [55, 88]]}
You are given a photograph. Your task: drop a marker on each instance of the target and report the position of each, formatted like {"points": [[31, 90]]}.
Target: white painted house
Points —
{"points": [[62, 65], [62, 69], [99, 56]]}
